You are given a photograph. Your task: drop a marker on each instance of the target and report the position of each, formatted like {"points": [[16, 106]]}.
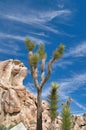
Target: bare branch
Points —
{"points": [[34, 72], [49, 72], [42, 69]]}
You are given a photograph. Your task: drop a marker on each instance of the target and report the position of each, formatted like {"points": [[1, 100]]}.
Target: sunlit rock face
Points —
{"points": [[79, 122], [19, 105], [12, 73], [12, 90]]}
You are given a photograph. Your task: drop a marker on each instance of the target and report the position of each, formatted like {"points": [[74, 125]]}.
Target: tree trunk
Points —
{"points": [[39, 110]]}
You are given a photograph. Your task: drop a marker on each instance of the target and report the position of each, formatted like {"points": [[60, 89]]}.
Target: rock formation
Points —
{"points": [[79, 122], [19, 105]]}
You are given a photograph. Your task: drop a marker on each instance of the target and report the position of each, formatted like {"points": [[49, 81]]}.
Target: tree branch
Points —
{"points": [[49, 72], [42, 69], [34, 72]]}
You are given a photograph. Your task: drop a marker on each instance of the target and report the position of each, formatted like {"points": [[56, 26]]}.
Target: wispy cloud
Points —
{"points": [[44, 17], [67, 86], [74, 52], [9, 46], [62, 63], [32, 22], [11, 49], [40, 19], [9, 52], [21, 38], [77, 51], [45, 92], [10, 36], [30, 87], [39, 34], [70, 85], [79, 105]]}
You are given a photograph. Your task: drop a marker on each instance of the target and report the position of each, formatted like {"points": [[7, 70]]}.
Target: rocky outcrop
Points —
{"points": [[12, 91], [19, 105], [79, 122]]}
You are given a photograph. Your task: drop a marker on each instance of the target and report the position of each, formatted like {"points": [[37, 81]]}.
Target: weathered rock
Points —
{"points": [[79, 122], [11, 101], [19, 105]]}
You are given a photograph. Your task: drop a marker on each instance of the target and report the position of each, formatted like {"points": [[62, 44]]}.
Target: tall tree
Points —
{"points": [[33, 59], [53, 100], [66, 116]]}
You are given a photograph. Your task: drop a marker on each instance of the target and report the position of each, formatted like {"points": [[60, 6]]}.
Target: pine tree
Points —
{"points": [[66, 116], [34, 59], [53, 99]]}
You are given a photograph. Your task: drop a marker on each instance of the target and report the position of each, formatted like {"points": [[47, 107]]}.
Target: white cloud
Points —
{"points": [[9, 47], [70, 85], [39, 19], [21, 38], [61, 6], [77, 51], [30, 87], [10, 52], [39, 34], [61, 63], [67, 86], [4, 35], [79, 105], [50, 15], [46, 91], [35, 22], [9, 44]]}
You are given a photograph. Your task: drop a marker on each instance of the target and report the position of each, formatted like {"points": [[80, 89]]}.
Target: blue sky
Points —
{"points": [[50, 22]]}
